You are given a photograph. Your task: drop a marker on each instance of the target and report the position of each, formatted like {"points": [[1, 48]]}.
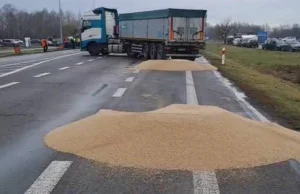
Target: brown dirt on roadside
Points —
{"points": [[174, 65]]}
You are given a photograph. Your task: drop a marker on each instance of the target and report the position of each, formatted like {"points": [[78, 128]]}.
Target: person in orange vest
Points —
{"points": [[44, 44]]}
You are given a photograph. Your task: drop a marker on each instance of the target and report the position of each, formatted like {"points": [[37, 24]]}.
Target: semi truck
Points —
{"points": [[157, 34]]}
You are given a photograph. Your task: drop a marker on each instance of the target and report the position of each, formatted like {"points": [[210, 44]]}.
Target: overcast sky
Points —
{"points": [[273, 12]]}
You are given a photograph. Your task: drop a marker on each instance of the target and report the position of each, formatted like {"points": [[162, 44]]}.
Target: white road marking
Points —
{"points": [[47, 181], [119, 92], [99, 57], [91, 60], [255, 114], [63, 68], [23, 62], [80, 63], [191, 95], [41, 75], [205, 183], [136, 71], [8, 85], [35, 64], [129, 79]]}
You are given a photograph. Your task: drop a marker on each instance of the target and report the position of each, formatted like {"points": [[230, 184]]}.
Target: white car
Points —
{"points": [[19, 41], [236, 41]]}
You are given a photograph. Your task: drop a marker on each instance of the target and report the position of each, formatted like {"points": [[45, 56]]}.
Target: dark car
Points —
{"points": [[10, 42], [294, 45], [276, 44], [36, 41]]}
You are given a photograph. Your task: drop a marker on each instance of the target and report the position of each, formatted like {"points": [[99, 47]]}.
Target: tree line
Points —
{"points": [[18, 24], [227, 27]]}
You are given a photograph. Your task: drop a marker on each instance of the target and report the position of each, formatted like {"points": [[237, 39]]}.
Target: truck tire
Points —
{"points": [[93, 49], [191, 58], [146, 51], [152, 51], [129, 53], [160, 52]]}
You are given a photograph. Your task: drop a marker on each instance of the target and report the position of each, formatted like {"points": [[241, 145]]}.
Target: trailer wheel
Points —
{"points": [[146, 51], [93, 49], [152, 51], [161, 52]]}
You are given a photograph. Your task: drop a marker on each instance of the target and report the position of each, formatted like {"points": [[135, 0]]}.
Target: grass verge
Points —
{"points": [[280, 97], [24, 52]]}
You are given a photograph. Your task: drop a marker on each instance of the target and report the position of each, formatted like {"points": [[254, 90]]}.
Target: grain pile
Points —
{"points": [[174, 65], [177, 137]]}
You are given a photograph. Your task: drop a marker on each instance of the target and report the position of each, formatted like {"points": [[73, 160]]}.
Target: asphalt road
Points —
{"points": [[43, 91]]}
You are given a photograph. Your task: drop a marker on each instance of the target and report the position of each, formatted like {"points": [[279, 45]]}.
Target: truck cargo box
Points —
{"points": [[171, 25]]}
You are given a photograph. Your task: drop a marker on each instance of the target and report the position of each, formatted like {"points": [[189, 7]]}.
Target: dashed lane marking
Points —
{"points": [[136, 71], [204, 182], [8, 85], [119, 92], [80, 63], [41, 75], [190, 89], [91, 60], [47, 181], [35, 64], [63, 68], [99, 57], [129, 79]]}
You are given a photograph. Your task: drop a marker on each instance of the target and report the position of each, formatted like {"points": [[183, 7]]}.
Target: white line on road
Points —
{"points": [[119, 92], [23, 62], [129, 79], [191, 95], [99, 57], [63, 68], [136, 71], [91, 60], [41, 75], [46, 182], [8, 85], [205, 183], [80, 63], [253, 113], [35, 64]]}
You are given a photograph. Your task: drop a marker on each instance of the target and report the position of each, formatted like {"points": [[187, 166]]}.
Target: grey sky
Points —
{"points": [[273, 12]]}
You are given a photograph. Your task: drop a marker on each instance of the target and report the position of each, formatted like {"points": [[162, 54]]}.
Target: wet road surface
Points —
{"points": [[44, 91]]}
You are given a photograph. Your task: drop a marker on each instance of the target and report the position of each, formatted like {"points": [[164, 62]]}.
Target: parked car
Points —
{"points": [[294, 44], [289, 38], [250, 41], [229, 40], [276, 44], [50, 43], [10, 42], [19, 41], [237, 42], [35, 41]]}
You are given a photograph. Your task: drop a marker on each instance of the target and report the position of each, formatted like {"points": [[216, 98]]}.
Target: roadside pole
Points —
{"points": [[223, 56], [60, 22]]}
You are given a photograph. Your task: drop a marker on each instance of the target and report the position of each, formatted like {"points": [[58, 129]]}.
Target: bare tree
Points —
{"points": [[223, 29]]}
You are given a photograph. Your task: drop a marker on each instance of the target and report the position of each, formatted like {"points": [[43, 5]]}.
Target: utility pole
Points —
{"points": [[60, 22]]}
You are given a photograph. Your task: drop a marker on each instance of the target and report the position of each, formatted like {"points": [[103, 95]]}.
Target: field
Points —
{"points": [[270, 78]]}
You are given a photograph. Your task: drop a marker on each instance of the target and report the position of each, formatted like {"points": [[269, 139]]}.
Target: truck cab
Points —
{"points": [[99, 26]]}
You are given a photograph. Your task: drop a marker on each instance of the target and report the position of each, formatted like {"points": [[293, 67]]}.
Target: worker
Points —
{"points": [[73, 42], [78, 42], [44, 44]]}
